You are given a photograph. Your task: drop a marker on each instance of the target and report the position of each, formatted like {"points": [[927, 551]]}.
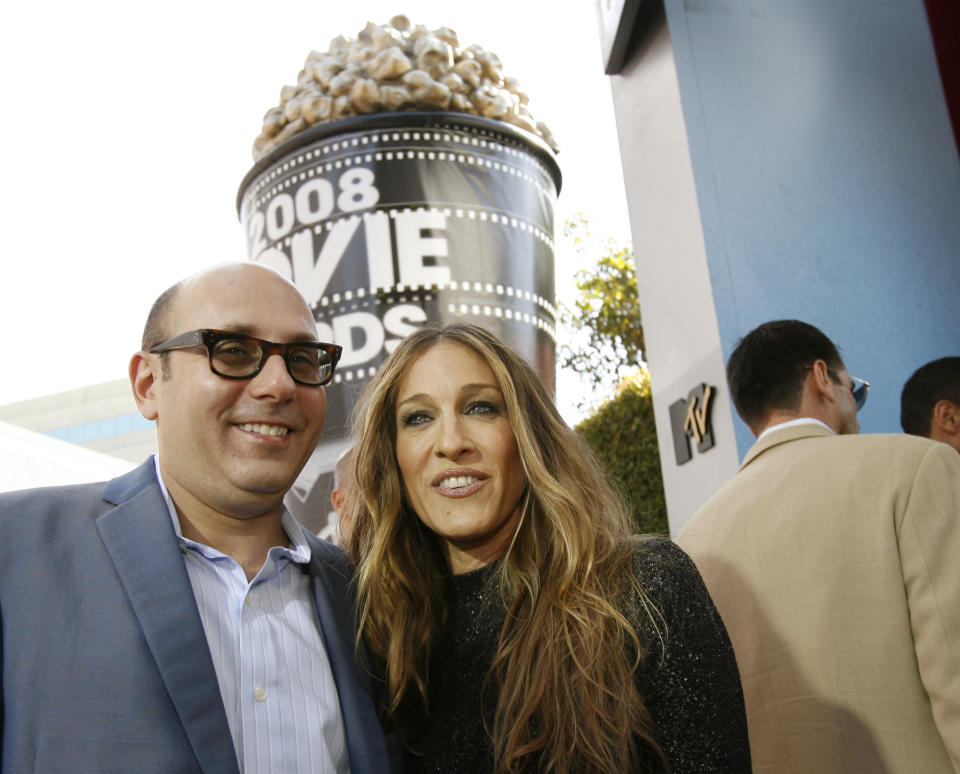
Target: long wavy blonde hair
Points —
{"points": [[567, 654]]}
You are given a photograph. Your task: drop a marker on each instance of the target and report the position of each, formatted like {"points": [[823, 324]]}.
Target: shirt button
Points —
{"points": [[247, 601], [260, 693]]}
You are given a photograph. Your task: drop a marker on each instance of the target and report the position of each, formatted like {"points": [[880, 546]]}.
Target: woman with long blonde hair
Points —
{"points": [[516, 623]]}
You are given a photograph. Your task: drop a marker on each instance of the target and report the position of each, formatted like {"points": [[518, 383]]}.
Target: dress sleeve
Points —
{"points": [[929, 541], [689, 679]]}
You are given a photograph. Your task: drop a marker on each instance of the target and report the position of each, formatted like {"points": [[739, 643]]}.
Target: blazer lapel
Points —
{"points": [[140, 540], [365, 740]]}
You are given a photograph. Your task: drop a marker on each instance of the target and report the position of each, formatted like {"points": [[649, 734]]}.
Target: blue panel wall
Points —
{"points": [[827, 177]]}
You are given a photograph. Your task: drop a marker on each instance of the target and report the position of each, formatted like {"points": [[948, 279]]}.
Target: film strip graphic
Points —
{"points": [[342, 154]]}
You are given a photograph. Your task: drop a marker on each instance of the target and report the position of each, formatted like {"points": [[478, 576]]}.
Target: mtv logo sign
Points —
{"points": [[691, 418]]}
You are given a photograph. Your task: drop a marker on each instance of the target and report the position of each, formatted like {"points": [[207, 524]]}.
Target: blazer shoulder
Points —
{"points": [[904, 456], [902, 442], [35, 509], [27, 505], [115, 490], [52, 494]]}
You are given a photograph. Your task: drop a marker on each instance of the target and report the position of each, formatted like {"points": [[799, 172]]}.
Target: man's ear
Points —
{"points": [[820, 378], [144, 376], [946, 415]]}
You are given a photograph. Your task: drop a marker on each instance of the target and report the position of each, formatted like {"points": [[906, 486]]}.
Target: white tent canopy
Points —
{"points": [[29, 459]]}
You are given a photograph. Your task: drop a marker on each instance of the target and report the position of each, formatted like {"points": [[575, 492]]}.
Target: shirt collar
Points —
{"points": [[298, 551], [794, 423]]}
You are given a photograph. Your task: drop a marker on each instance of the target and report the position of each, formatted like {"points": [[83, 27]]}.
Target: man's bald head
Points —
{"points": [[158, 325]]}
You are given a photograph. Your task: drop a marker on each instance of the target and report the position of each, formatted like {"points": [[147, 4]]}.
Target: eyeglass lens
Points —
{"points": [[241, 358], [859, 389]]}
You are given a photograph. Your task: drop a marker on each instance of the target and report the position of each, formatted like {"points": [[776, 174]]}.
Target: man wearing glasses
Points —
{"points": [[832, 558], [178, 619]]}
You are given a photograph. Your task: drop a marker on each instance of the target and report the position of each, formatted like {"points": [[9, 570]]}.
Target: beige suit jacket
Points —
{"points": [[835, 564]]}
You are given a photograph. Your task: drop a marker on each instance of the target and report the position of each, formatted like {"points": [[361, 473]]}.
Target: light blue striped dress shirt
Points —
{"points": [[269, 656]]}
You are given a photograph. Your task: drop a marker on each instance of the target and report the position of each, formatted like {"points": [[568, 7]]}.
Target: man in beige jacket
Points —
{"points": [[834, 559]]}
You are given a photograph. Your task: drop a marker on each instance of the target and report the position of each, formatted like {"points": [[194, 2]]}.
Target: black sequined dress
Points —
{"points": [[689, 682]]}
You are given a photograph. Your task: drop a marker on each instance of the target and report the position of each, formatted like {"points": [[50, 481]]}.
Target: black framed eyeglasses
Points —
{"points": [[236, 356]]}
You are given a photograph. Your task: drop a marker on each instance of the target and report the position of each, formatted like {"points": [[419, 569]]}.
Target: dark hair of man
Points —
{"points": [[157, 327], [768, 367], [937, 380]]}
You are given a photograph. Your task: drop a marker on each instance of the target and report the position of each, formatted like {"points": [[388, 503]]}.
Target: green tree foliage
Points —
{"points": [[608, 343], [623, 435], [607, 309]]}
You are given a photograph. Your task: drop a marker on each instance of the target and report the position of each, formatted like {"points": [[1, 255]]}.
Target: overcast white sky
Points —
{"points": [[127, 129]]}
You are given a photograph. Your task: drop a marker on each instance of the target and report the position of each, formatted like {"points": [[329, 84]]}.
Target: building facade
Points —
{"points": [[789, 159]]}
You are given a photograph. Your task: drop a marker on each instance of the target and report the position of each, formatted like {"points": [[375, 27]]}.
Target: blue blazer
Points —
{"points": [[105, 665]]}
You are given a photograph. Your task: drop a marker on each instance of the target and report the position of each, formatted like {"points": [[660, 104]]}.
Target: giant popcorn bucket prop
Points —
{"points": [[389, 221]]}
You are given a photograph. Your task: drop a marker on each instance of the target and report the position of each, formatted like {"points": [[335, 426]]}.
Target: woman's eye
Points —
{"points": [[482, 407], [414, 418]]}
